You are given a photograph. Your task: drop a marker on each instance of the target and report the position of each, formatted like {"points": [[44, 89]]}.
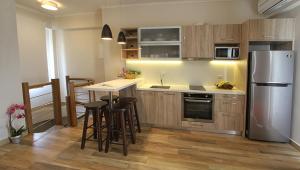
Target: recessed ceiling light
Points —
{"points": [[49, 5]]}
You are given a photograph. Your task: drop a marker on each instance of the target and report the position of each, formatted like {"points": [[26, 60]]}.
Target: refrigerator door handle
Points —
{"points": [[273, 84]]}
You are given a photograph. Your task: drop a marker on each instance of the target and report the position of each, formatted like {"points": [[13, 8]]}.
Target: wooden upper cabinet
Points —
{"points": [[188, 44], [272, 29], [227, 33], [197, 42]]}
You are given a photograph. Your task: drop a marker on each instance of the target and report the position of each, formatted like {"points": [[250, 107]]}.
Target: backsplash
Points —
{"points": [[185, 72]]}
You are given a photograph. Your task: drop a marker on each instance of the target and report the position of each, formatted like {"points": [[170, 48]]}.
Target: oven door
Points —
{"points": [[222, 53], [196, 109]]}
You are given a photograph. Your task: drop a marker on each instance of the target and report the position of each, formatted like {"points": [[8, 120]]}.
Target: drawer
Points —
{"points": [[229, 106], [229, 96], [199, 125]]}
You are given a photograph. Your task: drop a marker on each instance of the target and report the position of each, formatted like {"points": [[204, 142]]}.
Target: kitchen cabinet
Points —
{"points": [[161, 109], [272, 29], [229, 112], [227, 34], [197, 42], [157, 51], [130, 49], [160, 42]]}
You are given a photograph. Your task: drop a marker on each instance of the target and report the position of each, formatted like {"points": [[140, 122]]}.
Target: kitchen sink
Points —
{"points": [[160, 87]]}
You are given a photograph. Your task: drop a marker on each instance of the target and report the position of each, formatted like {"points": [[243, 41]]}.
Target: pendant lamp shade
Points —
{"points": [[121, 38], [106, 33]]}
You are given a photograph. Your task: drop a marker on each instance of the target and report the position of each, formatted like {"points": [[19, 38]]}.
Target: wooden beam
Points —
{"points": [[27, 104], [39, 85], [56, 101], [72, 104]]}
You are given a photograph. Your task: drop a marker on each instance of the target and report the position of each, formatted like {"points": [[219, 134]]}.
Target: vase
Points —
{"points": [[15, 139]]}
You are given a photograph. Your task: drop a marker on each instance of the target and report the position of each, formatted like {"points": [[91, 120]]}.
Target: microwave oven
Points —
{"points": [[227, 53]]}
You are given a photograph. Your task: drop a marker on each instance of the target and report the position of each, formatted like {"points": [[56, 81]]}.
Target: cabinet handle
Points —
{"points": [[233, 103], [268, 36]]}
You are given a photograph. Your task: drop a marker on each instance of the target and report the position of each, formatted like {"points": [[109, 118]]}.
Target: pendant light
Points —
{"points": [[121, 38], [106, 33]]}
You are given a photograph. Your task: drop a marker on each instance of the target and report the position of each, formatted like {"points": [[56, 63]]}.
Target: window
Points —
{"points": [[50, 53]]}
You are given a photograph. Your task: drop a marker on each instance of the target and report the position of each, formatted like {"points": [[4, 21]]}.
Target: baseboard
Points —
{"points": [[4, 141], [295, 144]]}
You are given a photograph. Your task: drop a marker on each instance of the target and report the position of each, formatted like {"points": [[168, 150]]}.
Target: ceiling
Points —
{"points": [[69, 7]]}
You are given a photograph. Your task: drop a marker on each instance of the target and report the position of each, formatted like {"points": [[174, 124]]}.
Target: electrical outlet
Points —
{"points": [[220, 77]]}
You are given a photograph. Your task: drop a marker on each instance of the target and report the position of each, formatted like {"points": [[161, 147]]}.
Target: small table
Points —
{"points": [[110, 87]]}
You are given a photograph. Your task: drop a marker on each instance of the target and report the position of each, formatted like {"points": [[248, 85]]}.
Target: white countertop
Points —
{"points": [[186, 89], [119, 84], [113, 85]]}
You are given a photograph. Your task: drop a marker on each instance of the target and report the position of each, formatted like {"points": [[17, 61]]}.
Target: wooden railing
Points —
{"points": [[71, 100], [55, 97]]}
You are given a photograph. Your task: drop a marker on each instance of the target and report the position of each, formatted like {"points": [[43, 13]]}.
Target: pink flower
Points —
{"points": [[20, 116], [12, 108], [22, 107], [19, 106]]}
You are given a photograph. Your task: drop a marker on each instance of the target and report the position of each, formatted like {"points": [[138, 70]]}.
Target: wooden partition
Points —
{"points": [[72, 102], [56, 101]]}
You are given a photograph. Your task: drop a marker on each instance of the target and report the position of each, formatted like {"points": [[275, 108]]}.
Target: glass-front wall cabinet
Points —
{"points": [[160, 42], [160, 51]]}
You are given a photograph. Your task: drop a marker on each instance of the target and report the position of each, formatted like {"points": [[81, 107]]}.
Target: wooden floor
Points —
{"points": [[155, 149]]}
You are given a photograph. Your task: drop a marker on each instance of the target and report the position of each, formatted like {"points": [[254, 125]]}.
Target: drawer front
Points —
{"points": [[229, 106], [199, 125], [229, 96], [229, 103]]}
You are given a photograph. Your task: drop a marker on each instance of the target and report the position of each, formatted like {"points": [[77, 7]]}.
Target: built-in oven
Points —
{"points": [[198, 107], [227, 53]]}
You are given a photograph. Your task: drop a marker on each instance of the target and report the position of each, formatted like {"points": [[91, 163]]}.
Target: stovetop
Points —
{"points": [[197, 87]]}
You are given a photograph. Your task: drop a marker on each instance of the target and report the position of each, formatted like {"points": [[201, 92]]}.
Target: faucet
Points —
{"points": [[161, 78]]}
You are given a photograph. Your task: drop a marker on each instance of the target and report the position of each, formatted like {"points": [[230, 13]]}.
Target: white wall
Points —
{"points": [[31, 26], [10, 87], [295, 13], [32, 44], [211, 12], [78, 46]]}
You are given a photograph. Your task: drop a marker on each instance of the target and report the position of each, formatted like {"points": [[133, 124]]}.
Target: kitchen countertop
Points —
{"points": [[186, 89], [113, 85]]}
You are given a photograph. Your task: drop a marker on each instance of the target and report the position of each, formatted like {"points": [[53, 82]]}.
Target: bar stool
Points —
{"points": [[133, 108], [121, 113], [106, 98], [98, 109]]}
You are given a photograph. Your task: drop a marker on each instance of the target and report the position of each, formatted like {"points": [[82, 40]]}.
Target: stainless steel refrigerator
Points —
{"points": [[270, 91]]}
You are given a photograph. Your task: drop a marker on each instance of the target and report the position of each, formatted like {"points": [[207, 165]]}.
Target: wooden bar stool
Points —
{"points": [[122, 113], [133, 108], [98, 109]]}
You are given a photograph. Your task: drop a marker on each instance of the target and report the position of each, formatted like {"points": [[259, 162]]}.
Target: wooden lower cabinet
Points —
{"points": [[161, 109], [164, 109], [229, 112]]}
